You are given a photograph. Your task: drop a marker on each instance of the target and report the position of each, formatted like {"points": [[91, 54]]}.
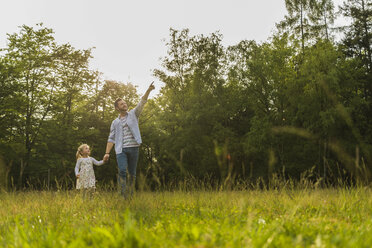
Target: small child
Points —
{"points": [[84, 169]]}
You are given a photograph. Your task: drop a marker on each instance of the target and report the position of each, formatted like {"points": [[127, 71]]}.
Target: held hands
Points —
{"points": [[78, 175], [106, 157]]}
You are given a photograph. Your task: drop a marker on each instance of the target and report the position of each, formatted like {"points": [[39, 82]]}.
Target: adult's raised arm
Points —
{"points": [[141, 104], [146, 95]]}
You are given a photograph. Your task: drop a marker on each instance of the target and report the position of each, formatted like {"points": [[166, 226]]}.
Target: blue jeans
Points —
{"points": [[127, 160]]}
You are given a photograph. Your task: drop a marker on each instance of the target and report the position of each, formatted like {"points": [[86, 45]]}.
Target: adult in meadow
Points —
{"points": [[125, 136]]}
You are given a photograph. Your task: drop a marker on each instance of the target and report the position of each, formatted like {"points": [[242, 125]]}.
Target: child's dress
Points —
{"points": [[84, 167]]}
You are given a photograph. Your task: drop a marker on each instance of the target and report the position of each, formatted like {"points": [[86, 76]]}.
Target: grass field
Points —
{"points": [[288, 218]]}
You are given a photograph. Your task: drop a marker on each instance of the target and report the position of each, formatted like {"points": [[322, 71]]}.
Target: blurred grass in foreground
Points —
{"points": [[257, 218]]}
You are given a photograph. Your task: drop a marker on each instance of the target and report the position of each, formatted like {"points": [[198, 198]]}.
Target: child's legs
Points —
{"points": [[122, 160], [88, 192], [83, 192]]}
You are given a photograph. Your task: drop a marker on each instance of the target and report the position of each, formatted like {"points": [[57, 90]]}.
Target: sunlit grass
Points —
{"points": [[296, 218]]}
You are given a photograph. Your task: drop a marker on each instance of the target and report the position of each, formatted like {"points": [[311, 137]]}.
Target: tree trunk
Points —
{"points": [[7, 172], [366, 37], [302, 30], [325, 24], [20, 180], [325, 162]]}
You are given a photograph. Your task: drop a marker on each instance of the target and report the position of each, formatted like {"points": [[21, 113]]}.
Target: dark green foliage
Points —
{"points": [[298, 102]]}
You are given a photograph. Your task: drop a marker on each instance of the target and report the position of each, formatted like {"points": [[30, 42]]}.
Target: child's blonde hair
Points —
{"points": [[80, 150]]}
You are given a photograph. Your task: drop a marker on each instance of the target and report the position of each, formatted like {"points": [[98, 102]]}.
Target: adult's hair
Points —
{"points": [[117, 102]]}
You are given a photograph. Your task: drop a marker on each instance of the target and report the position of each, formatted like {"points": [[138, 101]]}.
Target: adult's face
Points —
{"points": [[122, 106]]}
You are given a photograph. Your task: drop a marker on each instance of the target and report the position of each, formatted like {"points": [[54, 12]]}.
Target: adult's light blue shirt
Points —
{"points": [[116, 130]]}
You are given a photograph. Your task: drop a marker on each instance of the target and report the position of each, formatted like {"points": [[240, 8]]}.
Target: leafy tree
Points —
{"points": [[31, 54]]}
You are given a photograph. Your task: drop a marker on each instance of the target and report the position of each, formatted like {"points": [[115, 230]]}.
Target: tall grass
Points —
{"points": [[269, 216]]}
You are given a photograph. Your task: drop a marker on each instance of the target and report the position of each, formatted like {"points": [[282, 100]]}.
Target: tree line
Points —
{"points": [[299, 102]]}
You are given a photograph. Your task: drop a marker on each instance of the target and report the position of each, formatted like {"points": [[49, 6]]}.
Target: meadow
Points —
{"points": [[249, 218]]}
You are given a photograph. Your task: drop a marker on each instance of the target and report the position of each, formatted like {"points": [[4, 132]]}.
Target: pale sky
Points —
{"points": [[129, 35]]}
